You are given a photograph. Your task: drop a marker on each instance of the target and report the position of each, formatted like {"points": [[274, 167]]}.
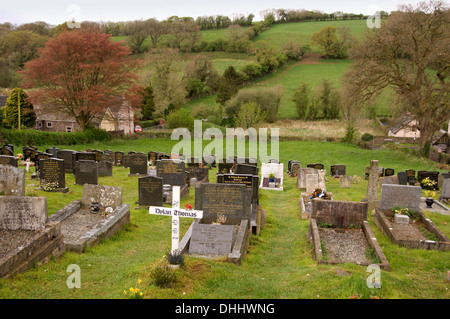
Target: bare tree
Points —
{"points": [[410, 54]]}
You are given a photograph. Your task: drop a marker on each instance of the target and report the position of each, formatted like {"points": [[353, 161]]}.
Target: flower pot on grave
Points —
{"points": [[271, 180], [271, 184], [429, 202]]}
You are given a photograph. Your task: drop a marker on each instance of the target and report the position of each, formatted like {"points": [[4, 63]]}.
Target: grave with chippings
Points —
{"points": [[27, 237], [98, 215], [401, 219], [340, 233], [225, 227]]}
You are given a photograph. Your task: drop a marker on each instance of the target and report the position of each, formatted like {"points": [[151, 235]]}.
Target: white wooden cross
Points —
{"points": [[176, 213]]}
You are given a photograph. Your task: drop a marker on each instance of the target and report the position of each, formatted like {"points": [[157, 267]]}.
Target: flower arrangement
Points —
{"points": [[428, 183], [48, 186], [175, 257], [430, 194], [188, 206], [134, 293]]}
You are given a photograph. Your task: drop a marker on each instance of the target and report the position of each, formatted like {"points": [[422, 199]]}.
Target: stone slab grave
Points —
{"points": [[441, 178], [12, 181], [251, 169], [445, 190], [345, 181], [27, 237], [301, 177], [226, 213], [118, 158], [272, 168], [81, 227], [293, 168], [52, 175], [408, 234], [150, 189], [86, 172], [372, 185], [105, 168], [341, 227], [337, 170], [305, 202]]}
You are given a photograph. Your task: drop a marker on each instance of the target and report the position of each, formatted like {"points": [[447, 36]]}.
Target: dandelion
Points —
{"points": [[139, 281]]}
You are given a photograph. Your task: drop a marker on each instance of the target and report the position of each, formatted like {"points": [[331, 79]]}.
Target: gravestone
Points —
{"points": [[225, 168], [109, 157], [250, 181], [301, 178], [312, 182], [441, 178], [399, 196], [138, 164], [294, 168], [118, 158], [40, 156], [193, 162], [12, 180], [54, 151], [150, 191], [172, 172], [67, 156], [402, 178], [337, 170], [8, 160], [230, 203], [209, 160], [315, 165], [126, 161], [52, 174], [433, 176], [246, 169], [345, 181], [210, 239], [85, 156], [23, 213], [445, 191], [106, 196], [372, 186], [392, 179], [7, 150], [389, 172], [105, 168], [411, 176], [152, 156], [272, 168], [86, 172], [199, 173]]}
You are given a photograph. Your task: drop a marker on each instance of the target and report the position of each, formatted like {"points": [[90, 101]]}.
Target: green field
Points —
{"points": [[280, 262]]}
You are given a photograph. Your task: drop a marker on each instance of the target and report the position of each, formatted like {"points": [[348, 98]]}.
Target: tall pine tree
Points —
{"points": [[11, 114]]}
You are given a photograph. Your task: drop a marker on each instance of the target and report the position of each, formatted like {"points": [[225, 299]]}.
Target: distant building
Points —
{"points": [[441, 141], [118, 117], [3, 99], [405, 126]]}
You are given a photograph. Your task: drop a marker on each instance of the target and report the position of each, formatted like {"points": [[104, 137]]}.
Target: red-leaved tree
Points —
{"points": [[79, 72]]}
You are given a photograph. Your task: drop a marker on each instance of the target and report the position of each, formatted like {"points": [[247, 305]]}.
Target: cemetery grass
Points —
{"points": [[280, 261]]}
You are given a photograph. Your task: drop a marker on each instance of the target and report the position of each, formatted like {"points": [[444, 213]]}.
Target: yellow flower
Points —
{"points": [[141, 294], [136, 290], [131, 289], [124, 292], [139, 281]]}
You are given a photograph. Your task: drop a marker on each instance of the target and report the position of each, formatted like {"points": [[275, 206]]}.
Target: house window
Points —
{"points": [[68, 129], [40, 124], [49, 124]]}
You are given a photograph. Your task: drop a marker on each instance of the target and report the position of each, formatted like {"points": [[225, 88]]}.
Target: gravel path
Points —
{"points": [[344, 245]]}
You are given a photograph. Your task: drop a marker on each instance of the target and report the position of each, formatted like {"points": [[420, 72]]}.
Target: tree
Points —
{"points": [[329, 100], [18, 47], [137, 32], [79, 71], [148, 104], [410, 54], [301, 99], [11, 114], [250, 115], [229, 85], [333, 41]]}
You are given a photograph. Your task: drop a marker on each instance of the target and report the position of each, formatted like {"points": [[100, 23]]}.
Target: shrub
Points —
{"points": [[180, 118], [163, 276], [267, 98], [33, 137], [366, 137]]}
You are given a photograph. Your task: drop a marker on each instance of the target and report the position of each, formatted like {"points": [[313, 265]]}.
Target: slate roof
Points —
{"points": [[403, 121]]}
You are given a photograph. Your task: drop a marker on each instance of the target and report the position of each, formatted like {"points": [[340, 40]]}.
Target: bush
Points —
{"points": [[180, 118], [366, 137], [267, 98], [33, 137], [163, 276]]}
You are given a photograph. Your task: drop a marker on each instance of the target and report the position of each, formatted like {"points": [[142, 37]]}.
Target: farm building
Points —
{"points": [[441, 141]]}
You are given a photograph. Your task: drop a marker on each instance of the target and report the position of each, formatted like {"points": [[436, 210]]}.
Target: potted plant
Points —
{"points": [[429, 200], [271, 180]]}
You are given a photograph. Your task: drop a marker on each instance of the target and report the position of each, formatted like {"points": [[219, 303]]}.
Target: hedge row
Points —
{"points": [[36, 138]]}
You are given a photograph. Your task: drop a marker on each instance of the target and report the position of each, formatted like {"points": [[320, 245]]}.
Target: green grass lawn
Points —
{"points": [[280, 262]]}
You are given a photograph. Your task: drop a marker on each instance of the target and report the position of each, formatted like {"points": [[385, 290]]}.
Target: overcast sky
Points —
{"points": [[56, 12]]}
